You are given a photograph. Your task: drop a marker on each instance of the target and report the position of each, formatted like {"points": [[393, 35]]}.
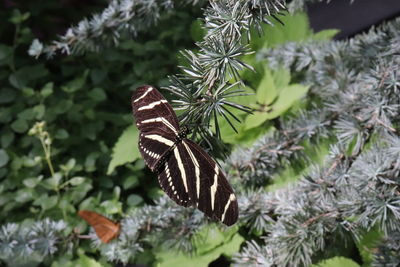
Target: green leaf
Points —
{"points": [[47, 90], [32, 182], [85, 261], [7, 95], [22, 77], [23, 195], [17, 17], [76, 181], [97, 94], [3, 158], [210, 244], [46, 202], [325, 34], [337, 262], [130, 182], [61, 134], [126, 148], [39, 111], [53, 182], [76, 84], [7, 138], [19, 126], [134, 200], [286, 99], [266, 90], [26, 114], [111, 206], [281, 77], [255, 119]]}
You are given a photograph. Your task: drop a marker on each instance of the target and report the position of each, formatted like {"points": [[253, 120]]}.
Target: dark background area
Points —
{"points": [[351, 18]]}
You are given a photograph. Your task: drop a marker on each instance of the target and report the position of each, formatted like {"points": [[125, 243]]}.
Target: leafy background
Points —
{"points": [[88, 135]]}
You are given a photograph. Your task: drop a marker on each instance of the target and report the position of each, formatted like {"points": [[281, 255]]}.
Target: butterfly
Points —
{"points": [[105, 229], [186, 173]]}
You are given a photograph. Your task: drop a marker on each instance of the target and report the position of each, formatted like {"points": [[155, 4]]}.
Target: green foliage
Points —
{"points": [[60, 118], [274, 90], [337, 262], [125, 150], [210, 243]]}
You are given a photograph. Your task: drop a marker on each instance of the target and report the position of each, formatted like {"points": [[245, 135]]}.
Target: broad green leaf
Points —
{"points": [[3, 158], [26, 114], [85, 261], [296, 28], [47, 90], [134, 200], [337, 262], [130, 182], [76, 181], [287, 97], [111, 206], [23, 195], [97, 94], [46, 202], [210, 244], [19, 126], [32, 182], [281, 78], [7, 95], [52, 182], [256, 119], [325, 34], [61, 134], [266, 90], [76, 83], [126, 149], [79, 192], [7, 137], [39, 111]]}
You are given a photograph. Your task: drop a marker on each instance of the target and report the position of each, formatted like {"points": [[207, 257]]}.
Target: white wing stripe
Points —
{"points": [[214, 186], [196, 169], [163, 120], [230, 200], [181, 168], [144, 94], [160, 139], [152, 105]]}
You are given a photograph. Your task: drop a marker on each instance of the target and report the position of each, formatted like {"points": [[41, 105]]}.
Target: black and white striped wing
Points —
{"points": [[154, 145], [194, 178], [173, 179], [152, 111]]}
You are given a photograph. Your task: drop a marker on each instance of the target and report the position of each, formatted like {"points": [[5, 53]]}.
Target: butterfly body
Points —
{"points": [[105, 229], [185, 171]]}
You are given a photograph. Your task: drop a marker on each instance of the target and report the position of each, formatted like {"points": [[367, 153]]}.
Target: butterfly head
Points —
{"points": [[183, 132]]}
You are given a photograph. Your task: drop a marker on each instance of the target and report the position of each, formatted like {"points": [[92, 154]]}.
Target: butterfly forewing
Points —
{"points": [[154, 145], [105, 229], [152, 111]]}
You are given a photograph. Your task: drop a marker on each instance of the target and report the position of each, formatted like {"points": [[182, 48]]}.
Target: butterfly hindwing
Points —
{"points": [[215, 196], [105, 229], [173, 178], [152, 111]]}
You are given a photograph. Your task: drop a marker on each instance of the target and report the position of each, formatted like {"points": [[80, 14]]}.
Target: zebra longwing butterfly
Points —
{"points": [[185, 171]]}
